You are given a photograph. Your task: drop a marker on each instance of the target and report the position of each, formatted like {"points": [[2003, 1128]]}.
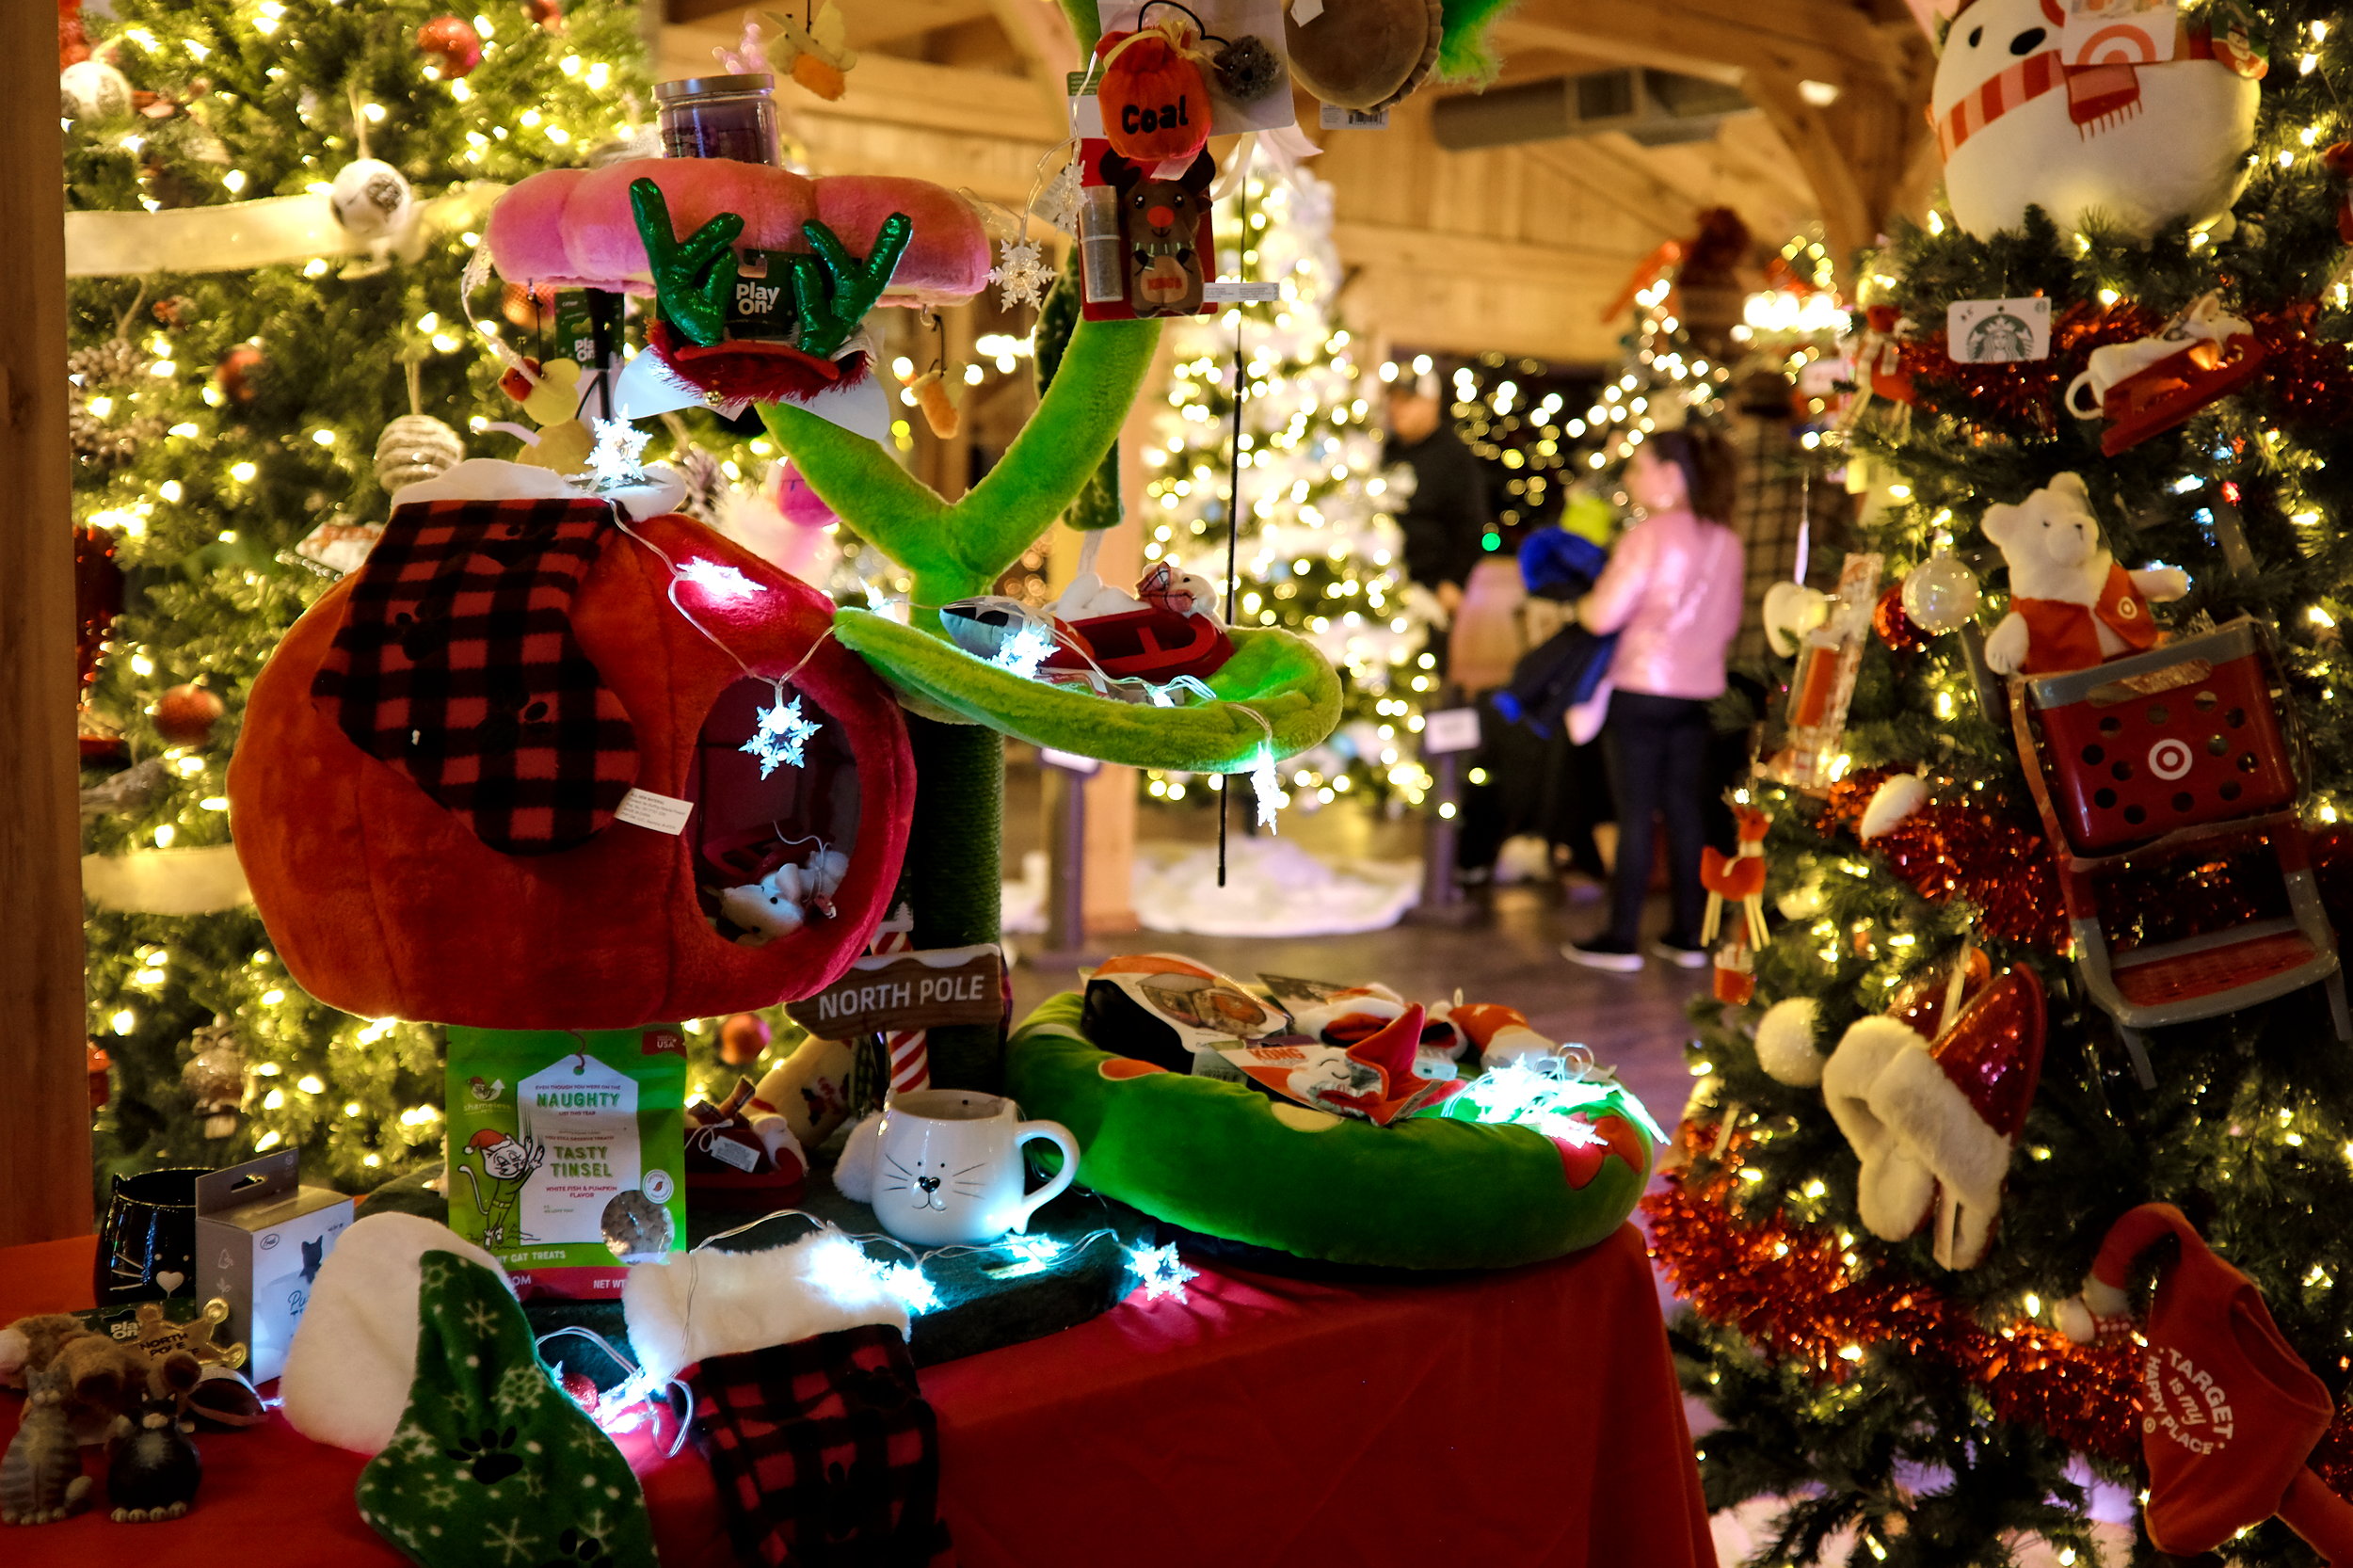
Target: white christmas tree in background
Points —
{"points": [[1320, 553]]}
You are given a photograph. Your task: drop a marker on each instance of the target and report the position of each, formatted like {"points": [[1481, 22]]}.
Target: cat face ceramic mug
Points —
{"points": [[947, 1167]]}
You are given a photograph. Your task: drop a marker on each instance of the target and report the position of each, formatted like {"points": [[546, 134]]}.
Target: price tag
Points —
{"points": [[1450, 730], [1230, 291], [1337, 119], [661, 813]]}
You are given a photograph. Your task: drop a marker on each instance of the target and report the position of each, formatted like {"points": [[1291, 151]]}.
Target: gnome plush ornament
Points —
{"points": [[2071, 605], [1934, 1113], [2229, 1412], [2134, 120]]}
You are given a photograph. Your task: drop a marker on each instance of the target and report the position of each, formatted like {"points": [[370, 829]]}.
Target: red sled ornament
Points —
{"points": [[2229, 1412], [2149, 384]]}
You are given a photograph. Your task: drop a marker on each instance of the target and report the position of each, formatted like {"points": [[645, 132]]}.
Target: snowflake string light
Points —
{"points": [[618, 460], [1021, 274], [780, 734], [1058, 204], [719, 581], [1162, 1271], [1025, 650]]}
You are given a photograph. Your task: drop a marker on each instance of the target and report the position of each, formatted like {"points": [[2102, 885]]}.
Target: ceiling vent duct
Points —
{"points": [[1656, 108]]}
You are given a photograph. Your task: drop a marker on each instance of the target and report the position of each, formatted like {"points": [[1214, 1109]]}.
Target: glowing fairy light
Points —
{"points": [[1163, 1273], [780, 734], [1022, 652], [719, 581]]}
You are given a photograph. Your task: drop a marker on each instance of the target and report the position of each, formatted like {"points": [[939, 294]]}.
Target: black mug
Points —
{"points": [[147, 1247]]}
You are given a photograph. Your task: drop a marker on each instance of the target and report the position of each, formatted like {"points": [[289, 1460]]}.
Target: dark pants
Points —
{"points": [[1656, 749]]}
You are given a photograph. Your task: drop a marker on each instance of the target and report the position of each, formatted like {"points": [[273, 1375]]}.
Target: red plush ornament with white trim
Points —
{"points": [[1935, 1117], [2229, 1412]]}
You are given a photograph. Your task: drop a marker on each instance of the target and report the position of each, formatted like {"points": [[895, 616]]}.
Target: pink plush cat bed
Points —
{"points": [[572, 228]]}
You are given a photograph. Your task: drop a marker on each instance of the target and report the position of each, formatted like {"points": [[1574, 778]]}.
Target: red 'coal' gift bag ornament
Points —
{"points": [[1156, 105], [525, 771]]}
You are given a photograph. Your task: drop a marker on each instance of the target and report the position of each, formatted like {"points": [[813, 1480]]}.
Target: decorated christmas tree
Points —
{"points": [[1318, 553], [273, 208], [2054, 864]]}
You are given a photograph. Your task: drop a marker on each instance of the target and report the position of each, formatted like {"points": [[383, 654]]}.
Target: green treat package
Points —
{"points": [[567, 1151]]}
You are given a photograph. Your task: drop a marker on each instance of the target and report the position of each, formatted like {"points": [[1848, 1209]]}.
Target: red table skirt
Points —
{"points": [[1516, 1419]]}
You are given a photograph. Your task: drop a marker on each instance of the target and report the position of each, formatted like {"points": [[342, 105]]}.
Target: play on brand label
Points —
{"points": [[578, 1124], [1997, 331]]}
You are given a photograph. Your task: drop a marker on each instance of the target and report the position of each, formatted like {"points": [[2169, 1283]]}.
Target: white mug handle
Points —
{"points": [[2079, 384], [1060, 1136]]}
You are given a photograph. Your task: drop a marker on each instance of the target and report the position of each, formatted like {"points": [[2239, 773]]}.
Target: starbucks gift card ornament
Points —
{"points": [[2131, 113]]}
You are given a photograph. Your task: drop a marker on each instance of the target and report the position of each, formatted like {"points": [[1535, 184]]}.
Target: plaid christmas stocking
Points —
{"points": [[492, 1465], [457, 664], [825, 1453]]}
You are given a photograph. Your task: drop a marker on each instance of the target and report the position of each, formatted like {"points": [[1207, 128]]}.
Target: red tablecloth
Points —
{"points": [[1516, 1419]]}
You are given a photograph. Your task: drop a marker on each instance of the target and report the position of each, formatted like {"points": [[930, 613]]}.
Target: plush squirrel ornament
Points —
{"points": [[2135, 119], [2071, 606]]}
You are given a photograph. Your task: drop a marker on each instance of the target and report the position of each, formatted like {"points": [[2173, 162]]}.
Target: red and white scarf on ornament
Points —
{"points": [[2099, 94]]}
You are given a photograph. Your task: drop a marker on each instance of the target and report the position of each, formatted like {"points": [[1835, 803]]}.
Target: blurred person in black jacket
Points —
{"points": [[1448, 512]]}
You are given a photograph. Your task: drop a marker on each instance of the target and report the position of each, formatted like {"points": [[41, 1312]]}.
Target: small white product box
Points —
{"points": [[259, 1239]]}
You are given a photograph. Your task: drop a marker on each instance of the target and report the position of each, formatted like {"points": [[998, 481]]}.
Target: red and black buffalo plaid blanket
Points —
{"points": [[825, 1453], [457, 664]]}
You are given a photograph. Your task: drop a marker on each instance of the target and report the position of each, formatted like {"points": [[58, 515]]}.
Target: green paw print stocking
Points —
{"points": [[492, 1467]]}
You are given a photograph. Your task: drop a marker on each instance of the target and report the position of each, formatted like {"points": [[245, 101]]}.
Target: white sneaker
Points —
{"points": [[1600, 953], [1681, 958]]}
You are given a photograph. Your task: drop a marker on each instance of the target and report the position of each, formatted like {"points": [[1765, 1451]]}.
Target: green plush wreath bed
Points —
{"points": [[1427, 1193]]}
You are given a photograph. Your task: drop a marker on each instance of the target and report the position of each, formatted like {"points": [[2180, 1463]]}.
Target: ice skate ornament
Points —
{"points": [[2121, 111], [2071, 606], [2153, 384]]}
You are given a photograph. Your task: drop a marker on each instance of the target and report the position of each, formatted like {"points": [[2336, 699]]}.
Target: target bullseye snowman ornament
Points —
{"points": [[2122, 111]]}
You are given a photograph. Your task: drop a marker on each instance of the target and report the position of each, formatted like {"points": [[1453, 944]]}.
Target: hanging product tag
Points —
{"points": [[1228, 291], [661, 813], [1339, 119]]}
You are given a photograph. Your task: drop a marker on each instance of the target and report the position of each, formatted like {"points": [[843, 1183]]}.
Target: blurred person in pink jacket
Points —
{"points": [[1672, 592]]}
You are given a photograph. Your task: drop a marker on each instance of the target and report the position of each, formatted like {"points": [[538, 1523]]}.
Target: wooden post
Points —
{"points": [[44, 1096]]}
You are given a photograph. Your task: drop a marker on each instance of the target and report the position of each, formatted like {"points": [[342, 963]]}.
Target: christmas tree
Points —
{"points": [[232, 422], [1881, 1277], [1319, 553]]}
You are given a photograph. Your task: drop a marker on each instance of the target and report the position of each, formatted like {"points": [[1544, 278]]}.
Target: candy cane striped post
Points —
{"points": [[911, 1054]]}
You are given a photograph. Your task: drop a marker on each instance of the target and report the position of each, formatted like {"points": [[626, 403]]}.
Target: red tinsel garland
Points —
{"points": [[2306, 380], [1974, 852], [1787, 1289]]}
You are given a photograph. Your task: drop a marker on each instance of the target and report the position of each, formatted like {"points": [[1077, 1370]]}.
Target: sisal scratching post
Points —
{"points": [[956, 875]]}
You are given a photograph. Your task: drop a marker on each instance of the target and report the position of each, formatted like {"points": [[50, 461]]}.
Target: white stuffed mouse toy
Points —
{"points": [[2070, 606]]}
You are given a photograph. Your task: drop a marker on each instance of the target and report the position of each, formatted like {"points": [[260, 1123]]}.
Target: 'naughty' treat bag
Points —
{"points": [[567, 1151]]}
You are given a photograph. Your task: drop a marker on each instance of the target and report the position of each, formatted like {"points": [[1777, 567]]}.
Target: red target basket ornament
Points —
{"points": [[2172, 754]]}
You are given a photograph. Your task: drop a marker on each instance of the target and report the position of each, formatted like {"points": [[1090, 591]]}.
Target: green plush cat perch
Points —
{"points": [[1276, 692]]}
